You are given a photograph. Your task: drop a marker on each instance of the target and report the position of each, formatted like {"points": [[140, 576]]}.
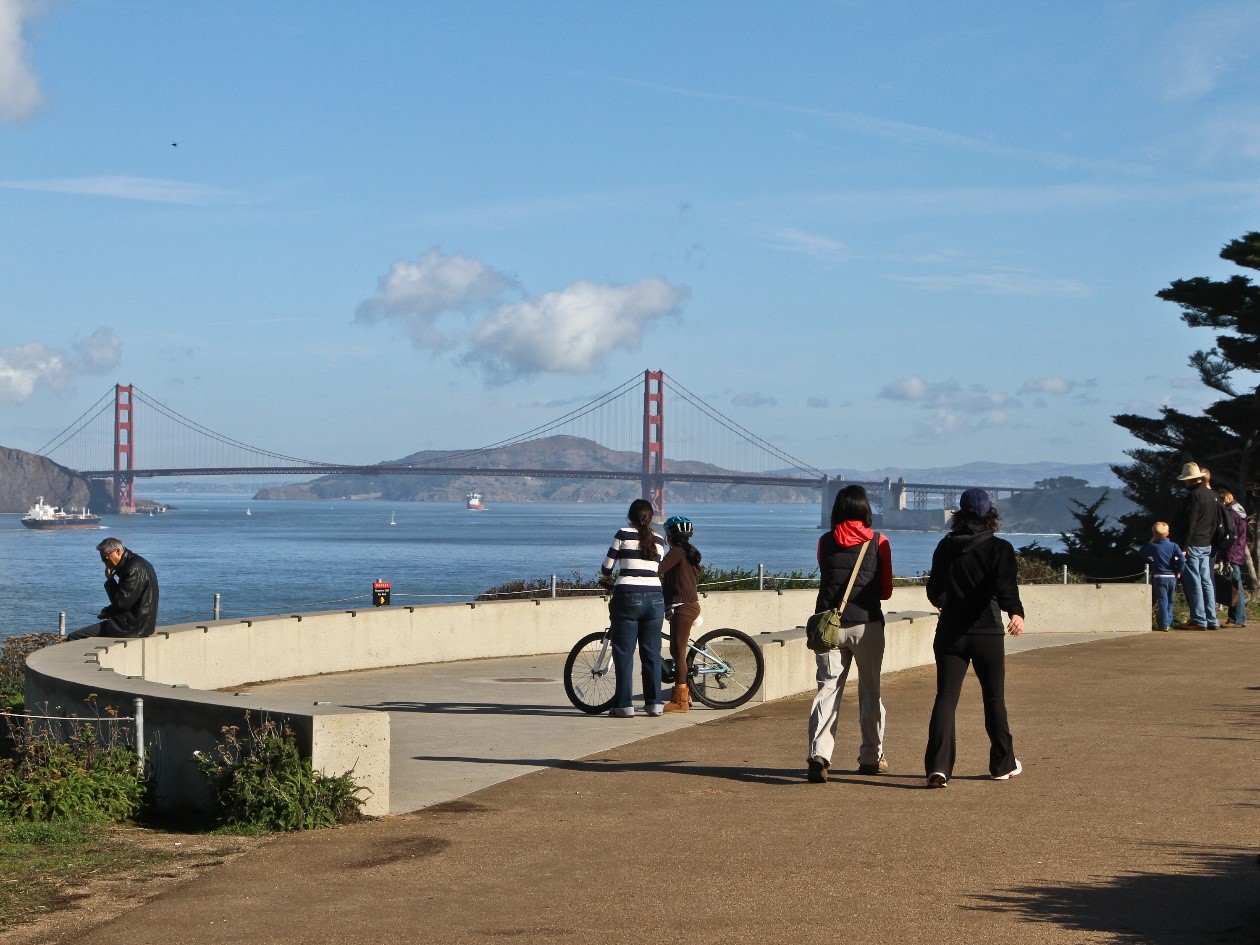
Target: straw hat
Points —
{"points": [[1190, 471]]}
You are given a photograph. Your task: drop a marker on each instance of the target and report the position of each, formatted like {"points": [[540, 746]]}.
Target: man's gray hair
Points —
{"points": [[109, 546]]}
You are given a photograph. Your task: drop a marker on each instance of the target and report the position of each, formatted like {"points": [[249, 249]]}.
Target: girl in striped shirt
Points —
{"points": [[637, 609]]}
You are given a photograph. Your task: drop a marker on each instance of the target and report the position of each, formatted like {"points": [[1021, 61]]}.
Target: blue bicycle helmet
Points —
{"points": [[678, 525]]}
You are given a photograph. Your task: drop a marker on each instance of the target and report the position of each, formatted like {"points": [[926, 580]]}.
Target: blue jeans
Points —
{"points": [[1238, 612], [635, 618], [1196, 581], [1163, 589]]}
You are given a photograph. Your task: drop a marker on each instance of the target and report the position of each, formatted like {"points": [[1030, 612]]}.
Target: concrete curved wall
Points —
{"points": [[194, 677]]}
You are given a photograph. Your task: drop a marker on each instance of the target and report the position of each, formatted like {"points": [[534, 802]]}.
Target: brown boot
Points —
{"points": [[680, 701]]}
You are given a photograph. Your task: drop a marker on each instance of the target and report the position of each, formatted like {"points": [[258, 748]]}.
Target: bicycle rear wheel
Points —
{"points": [[590, 680], [725, 669]]}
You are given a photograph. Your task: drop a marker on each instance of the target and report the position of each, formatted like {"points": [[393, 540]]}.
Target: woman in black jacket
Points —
{"points": [[973, 579]]}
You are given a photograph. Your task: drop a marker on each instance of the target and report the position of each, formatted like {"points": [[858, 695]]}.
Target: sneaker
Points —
{"points": [[937, 780], [817, 773], [626, 713], [1191, 626], [654, 709], [1010, 774], [878, 767]]}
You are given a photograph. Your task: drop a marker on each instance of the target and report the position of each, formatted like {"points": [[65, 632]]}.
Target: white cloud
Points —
{"points": [[24, 368], [571, 331], [152, 189], [947, 396], [809, 244], [1205, 46], [1047, 385], [998, 283], [753, 399], [19, 89], [419, 293], [909, 388]]}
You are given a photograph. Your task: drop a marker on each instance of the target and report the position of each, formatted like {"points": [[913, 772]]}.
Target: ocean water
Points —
{"points": [[286, 557]]}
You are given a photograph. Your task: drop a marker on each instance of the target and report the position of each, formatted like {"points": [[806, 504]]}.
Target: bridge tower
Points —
{"points": [[654, 441], [124, 442]]}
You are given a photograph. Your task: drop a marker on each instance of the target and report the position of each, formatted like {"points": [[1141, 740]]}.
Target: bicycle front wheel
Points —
{"points": [[590, 680], [725, 669]]}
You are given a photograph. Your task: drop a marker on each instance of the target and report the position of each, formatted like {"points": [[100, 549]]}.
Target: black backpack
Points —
{"points": [[1223, 535]]}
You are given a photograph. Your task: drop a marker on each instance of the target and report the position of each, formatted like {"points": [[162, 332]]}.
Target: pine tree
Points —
{"points": [[1226, 436]]}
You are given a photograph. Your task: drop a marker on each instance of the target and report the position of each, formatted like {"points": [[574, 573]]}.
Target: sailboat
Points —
{"points": [[248, 512], [391, 519]]}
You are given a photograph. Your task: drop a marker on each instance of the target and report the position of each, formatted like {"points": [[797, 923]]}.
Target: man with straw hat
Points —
{"points": [[1195, 526]]}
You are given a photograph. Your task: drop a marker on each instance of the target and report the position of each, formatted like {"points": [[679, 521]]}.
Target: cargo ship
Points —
{"points": [[43, 516], [474, 502]]}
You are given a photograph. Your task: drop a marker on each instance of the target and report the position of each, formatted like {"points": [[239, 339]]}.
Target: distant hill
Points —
{"points": [[1021, 475], [1050, 510], [552, 452], [24, 477]]}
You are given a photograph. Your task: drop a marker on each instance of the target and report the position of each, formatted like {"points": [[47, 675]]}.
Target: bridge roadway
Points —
{"points": [[1136, 820]]}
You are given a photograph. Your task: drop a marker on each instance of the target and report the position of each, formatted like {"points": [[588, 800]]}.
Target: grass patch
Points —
{"points": [[45, 866]]}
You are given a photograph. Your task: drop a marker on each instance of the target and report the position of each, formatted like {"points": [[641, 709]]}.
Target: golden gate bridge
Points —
{"points": [[629, 421]]}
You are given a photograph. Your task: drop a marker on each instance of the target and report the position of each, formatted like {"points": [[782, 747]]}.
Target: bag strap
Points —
{"points": [[853, 577]]}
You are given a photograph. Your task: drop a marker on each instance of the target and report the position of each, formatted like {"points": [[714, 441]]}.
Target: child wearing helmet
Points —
{"points": [[678, 571]]}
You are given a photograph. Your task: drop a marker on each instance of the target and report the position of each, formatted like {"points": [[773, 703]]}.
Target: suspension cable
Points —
{"points": [[76, 427], [748, 435]]}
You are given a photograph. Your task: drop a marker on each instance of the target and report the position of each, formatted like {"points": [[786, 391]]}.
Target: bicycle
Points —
{"points": [[724, 670]]}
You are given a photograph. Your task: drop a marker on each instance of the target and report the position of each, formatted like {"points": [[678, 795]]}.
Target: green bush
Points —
{"points": [[540, 587], [79, 778], [742, 579], [262, 781], [13, 654]]}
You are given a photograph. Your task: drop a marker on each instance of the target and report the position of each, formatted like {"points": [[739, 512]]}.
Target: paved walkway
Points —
{"points": [[1137, 821], [458, 727]]}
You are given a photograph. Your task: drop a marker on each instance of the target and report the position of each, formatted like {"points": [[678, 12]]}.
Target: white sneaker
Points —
{"points": [[626, 713], [1010, 774], [937, 780], [654, 709]]}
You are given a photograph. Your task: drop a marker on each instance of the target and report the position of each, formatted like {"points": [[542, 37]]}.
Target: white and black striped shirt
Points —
{"points": [[636, 572]]}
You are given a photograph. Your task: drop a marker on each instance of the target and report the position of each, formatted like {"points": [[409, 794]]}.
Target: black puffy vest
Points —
{"points": [[835, 565]]}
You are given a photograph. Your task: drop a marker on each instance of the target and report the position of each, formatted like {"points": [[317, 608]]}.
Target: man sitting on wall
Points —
{"points": [[132, 587]]}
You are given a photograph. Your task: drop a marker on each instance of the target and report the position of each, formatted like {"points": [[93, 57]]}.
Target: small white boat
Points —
{"points": [[474, 502], [248, 512], [391, 519]]}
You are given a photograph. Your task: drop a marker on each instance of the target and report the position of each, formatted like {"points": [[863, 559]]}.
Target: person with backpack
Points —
{"points": [[1234, 558], [974, 578], [1194, 530], [851, 556], [679, 571]]}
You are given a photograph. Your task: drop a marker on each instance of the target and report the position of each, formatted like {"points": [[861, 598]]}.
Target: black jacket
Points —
{"points": [[1196, 521], [133, 598], [835, 567], [974, 578]]}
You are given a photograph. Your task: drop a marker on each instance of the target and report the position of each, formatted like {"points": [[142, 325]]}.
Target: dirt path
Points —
{"points": [[1137, 820]]}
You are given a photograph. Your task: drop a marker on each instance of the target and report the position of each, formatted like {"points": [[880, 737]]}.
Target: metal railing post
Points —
{"points": [[553, 586], [61, 624], [137, 705], [216, 606], [1146, 575], [761, 576], [1065, 574]]}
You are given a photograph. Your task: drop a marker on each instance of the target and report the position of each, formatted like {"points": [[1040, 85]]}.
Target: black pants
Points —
{"points": [[987, 653]]}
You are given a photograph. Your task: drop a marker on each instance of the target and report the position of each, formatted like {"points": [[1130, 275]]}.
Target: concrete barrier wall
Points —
{"points": [[178, 670]]}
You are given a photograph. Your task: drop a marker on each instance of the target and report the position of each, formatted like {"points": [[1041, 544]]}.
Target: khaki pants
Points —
{"points": [[865, 643]]}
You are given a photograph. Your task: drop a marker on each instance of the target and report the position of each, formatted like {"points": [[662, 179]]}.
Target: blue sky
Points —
{"points": [[875, 234]]}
